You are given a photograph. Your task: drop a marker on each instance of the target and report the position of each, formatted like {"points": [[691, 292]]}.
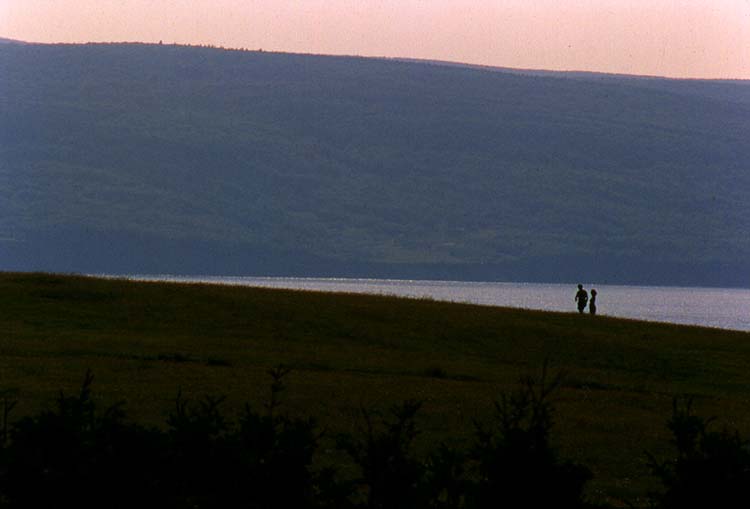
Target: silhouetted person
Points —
{"points": [[581, 298], [592, 302]]}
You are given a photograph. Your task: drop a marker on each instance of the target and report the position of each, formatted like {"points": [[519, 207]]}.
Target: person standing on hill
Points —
{"points": [[592, 302], [581, 298]]}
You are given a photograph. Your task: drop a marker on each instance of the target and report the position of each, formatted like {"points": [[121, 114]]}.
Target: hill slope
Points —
{"points": [[146, 341], [143, 158]]}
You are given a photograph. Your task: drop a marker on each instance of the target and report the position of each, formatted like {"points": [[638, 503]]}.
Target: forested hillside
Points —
{"points": [[149, 158]]}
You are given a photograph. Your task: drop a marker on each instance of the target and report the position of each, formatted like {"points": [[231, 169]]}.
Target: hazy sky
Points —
{"points": [[680, 38]]}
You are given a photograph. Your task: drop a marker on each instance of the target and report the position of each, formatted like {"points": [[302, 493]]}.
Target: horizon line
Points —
{"points": [[405, 59]]}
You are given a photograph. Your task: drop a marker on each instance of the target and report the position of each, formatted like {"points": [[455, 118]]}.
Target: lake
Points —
{"points": [[727, 308]]}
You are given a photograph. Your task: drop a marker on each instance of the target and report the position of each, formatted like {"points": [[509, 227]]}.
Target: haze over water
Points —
{"points": [[727, 308]]}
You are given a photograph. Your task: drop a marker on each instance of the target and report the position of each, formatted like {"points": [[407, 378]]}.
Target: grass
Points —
{"points": [[147, 341]]}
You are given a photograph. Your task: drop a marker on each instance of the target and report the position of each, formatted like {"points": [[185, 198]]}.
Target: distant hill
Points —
{"points": [[733, 91], [3, 40], [174, 159]]}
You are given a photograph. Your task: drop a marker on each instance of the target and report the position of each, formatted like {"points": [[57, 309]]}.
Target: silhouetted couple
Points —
{"points": [[582, 298]]}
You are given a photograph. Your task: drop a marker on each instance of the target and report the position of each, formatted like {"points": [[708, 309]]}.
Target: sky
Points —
{"points": [[674, 38]]}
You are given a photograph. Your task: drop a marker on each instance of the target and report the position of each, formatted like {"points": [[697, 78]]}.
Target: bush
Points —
{"points": [[711, 468], [74, 454], [516, 465], [511, 464], [391, 476]]}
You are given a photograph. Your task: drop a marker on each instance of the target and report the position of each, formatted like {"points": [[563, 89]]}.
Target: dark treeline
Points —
{"points": [[76, 453]]}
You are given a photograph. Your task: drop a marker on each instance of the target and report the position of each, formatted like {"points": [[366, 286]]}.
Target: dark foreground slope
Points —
{"points": [[146, 341], [141, 158]]}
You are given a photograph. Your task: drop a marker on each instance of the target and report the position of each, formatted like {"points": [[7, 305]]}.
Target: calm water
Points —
{"points": [[711, 307]]}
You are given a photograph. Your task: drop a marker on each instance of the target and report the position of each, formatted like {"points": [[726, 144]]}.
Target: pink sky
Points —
{"points": [[677, 38]]}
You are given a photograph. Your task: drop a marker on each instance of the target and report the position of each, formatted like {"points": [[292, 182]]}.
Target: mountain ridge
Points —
{"points": [[317, 165]]}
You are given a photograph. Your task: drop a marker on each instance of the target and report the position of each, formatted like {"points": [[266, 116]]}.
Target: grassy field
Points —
{"points": [[145, 342]]}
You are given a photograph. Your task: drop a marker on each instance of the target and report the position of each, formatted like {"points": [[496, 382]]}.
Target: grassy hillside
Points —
{"points": [[146, 341], [147, 158]]}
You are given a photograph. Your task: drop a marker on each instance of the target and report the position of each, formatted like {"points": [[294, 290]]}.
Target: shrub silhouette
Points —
{"points": [[263, 461], [711, 469], [512, 463], [445, 482], [391, 476], [74, 454], [516, 465]]}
